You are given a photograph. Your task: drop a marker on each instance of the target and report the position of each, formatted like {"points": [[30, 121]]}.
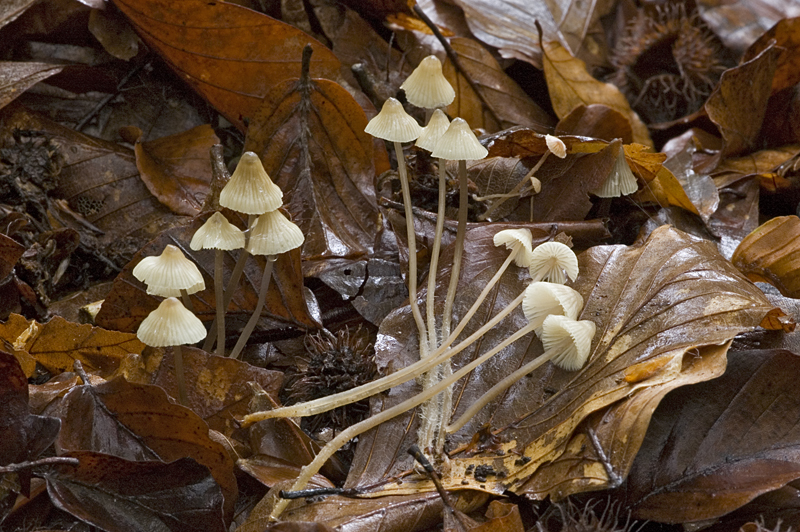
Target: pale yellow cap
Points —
{"points": [[431, 133], [272, 234], [571, 340], [393, 123], [621, 182], [217, 233], [511, 238], [556, 146], [543, 299], [427, 87], [550, 261], [169, 273], [459, 143], [171, 324], [250, 189]]}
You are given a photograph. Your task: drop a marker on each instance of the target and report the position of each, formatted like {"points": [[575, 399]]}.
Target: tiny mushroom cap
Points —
{"points": [[556, 146], [169, 273], [431, 133], [550, 260], [544, 299], [621, 182], [427, 87], [393, 123], [515, 238], [217, 233], [171, 324], [272, 234], [459, 143], [571, 340], [250, 189]]}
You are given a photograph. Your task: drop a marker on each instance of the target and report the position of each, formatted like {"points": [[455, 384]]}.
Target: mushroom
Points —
{"points": [[556, 146], [621, 182], [170, 274], [551, 260], [220, 235], [427, 87], [270, 235], [172, 325]]}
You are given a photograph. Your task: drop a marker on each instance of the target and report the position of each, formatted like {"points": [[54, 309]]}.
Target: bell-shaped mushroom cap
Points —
{"points": [[431, 133], [272, 234], [459, 143], [169, 273], [250, 189], [171, 324], [556, 146], [514, 238], [393, 123], [621, 182], [427, 87], [550, 260], [544, 299], [571, 340], [217, 233]]}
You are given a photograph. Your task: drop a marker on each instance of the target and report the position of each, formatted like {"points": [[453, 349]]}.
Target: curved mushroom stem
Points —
{"points": [[330, 402], [461, 230], [177, 356], [514, 191], [351, 432], [434, 264], [186, 301], [262, 297], [219, 296], [232, 283]]}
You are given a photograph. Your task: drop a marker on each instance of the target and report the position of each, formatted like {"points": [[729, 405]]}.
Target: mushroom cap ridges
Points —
{"points": [[393, 123], [459, 143], [169, 273], [427, 87], [171, 324], [572, 341], [250, 189], [273, 234], [217, 233]]}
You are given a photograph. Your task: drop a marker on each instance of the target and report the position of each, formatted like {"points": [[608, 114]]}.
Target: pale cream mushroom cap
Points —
{"points": [[621, 182], [272, 234], [571, 339], [169, 273], [217, 233], [431, 133], [549, 262], [171, 324], [427, 87], [393, 123], [556, 146], [250, 189], [511, 238], [543, 299], [459, 143]]}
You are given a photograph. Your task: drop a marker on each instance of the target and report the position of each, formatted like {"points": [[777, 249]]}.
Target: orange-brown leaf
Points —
{"points": [[771, 254]]}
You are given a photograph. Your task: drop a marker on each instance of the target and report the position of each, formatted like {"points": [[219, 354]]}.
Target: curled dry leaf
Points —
{"points": [[785, 34], [310, 136], [229, 54], [507, 100], [771, 254], [712, 447], [120, 495], [665, 312], [17, 77]]}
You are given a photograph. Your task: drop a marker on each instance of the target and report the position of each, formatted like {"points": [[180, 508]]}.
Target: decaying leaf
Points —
{"points": [[771, 254], [597, 121], [17, 77]]}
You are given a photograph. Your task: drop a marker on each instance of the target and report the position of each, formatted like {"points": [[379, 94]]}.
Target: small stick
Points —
{"points": [[54, 460]]}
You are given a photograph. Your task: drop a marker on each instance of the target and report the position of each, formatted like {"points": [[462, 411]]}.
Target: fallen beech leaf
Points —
{"points": [[785, 34], [699, 188], [668, 300], [12, 9], [762, 161], [177, 169], [713, 447], [665, 189], [270, 470], [771, 254], [737, 215], [112, 30], [740, 24], [571, 86], [119, 495], [739, 102], [310, 137], [138, 422], [10, 253], [17, 77], [23, 436], [507, 100], [10, 332], [502, 517], [229, 54], [598, 121]]}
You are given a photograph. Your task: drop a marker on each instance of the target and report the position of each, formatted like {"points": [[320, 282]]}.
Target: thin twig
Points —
{"points": [[53, 460], [110, 97]]}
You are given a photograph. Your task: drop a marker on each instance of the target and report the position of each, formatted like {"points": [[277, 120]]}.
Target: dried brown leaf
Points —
{"points": [[17, 77], [771, 254], [597, 121]]}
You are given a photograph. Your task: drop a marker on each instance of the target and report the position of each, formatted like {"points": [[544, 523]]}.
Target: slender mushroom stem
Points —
{"points": [[262, 297], [412, 245], [434, 264], [307, 472], [461, 230], [330, 402], [514, 191], [177, 355], [219, 296], [186, 301]]}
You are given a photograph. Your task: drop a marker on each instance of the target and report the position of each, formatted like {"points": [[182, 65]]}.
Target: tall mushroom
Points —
{"points": [[170, 274]]}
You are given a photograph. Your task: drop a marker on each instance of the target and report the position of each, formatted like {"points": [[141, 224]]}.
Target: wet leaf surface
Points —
{"points": [[770, 254]]}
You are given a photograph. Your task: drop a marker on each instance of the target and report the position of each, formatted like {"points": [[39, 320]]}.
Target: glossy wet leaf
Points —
{"points": [[771, 254], [229, 54], [506, 99], [698, 188], [786, 34], [310, 137], [177, 169], [119, 495]]}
